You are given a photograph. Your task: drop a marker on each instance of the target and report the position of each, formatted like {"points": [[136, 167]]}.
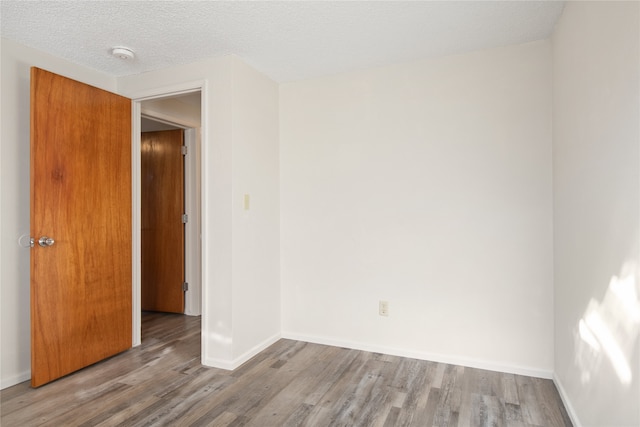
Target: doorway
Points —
{"points": [[176, 111]]}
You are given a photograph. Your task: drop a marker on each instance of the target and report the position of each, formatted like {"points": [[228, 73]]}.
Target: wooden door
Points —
{"points": [[162, 226], [81, 198]]}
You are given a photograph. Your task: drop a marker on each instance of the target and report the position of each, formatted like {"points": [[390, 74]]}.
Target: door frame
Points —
{"points": [[136, 167]]}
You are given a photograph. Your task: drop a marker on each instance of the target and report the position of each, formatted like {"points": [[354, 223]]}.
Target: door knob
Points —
{"points": [[45, 241]]}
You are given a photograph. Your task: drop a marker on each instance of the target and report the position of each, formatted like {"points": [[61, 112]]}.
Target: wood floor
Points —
{"points": [[290, 384]]}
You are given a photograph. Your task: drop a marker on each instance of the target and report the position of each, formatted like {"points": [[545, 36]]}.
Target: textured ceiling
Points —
{"points": [[285, 40]]}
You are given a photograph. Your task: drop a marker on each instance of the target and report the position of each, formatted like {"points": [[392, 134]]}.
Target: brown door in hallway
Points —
{"points": [[81, 222], [162, 225]]}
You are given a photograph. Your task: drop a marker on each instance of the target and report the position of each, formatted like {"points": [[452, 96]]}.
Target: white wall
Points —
{"points": [[174, 109], [596, 148], [15, 361], [240, 254], [428, 185], [256, 231]]}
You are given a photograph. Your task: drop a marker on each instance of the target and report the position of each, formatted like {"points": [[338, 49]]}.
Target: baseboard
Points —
{"points": [[218, 363], [230, 365], [433, 357], [14, 379], [567, 403]]}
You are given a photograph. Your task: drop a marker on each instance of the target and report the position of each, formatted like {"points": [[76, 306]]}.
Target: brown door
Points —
{"points": [[162, 226], [81, 199]]}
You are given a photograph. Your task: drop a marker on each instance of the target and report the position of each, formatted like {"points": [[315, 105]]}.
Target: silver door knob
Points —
{"points": [[45, 241]]}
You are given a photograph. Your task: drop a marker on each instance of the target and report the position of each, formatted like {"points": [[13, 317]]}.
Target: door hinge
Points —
{"points": [[183, 150], [185, 218], [185, 286]]}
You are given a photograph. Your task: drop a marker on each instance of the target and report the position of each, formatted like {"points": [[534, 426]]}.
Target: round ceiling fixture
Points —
{"points": [[123, 53]]}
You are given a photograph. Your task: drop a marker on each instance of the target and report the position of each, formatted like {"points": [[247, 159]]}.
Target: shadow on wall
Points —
{"points": [[608, 330]]}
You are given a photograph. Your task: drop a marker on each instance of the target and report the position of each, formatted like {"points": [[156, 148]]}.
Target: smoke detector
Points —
{"points": [[123, 53]]}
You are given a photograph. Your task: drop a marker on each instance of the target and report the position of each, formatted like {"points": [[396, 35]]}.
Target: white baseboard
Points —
{"points": [[230, 365], [567, 403], [14, 379], [433, 357]]}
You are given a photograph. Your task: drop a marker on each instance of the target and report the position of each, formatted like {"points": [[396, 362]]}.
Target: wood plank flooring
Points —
{"points": [[162, 383]]}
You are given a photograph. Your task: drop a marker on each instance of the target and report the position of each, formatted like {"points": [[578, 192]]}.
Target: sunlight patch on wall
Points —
{"points": [[221, 338], [609, 329]]}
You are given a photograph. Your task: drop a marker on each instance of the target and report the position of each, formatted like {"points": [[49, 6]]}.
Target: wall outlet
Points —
{"points": [[383, 308]]}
